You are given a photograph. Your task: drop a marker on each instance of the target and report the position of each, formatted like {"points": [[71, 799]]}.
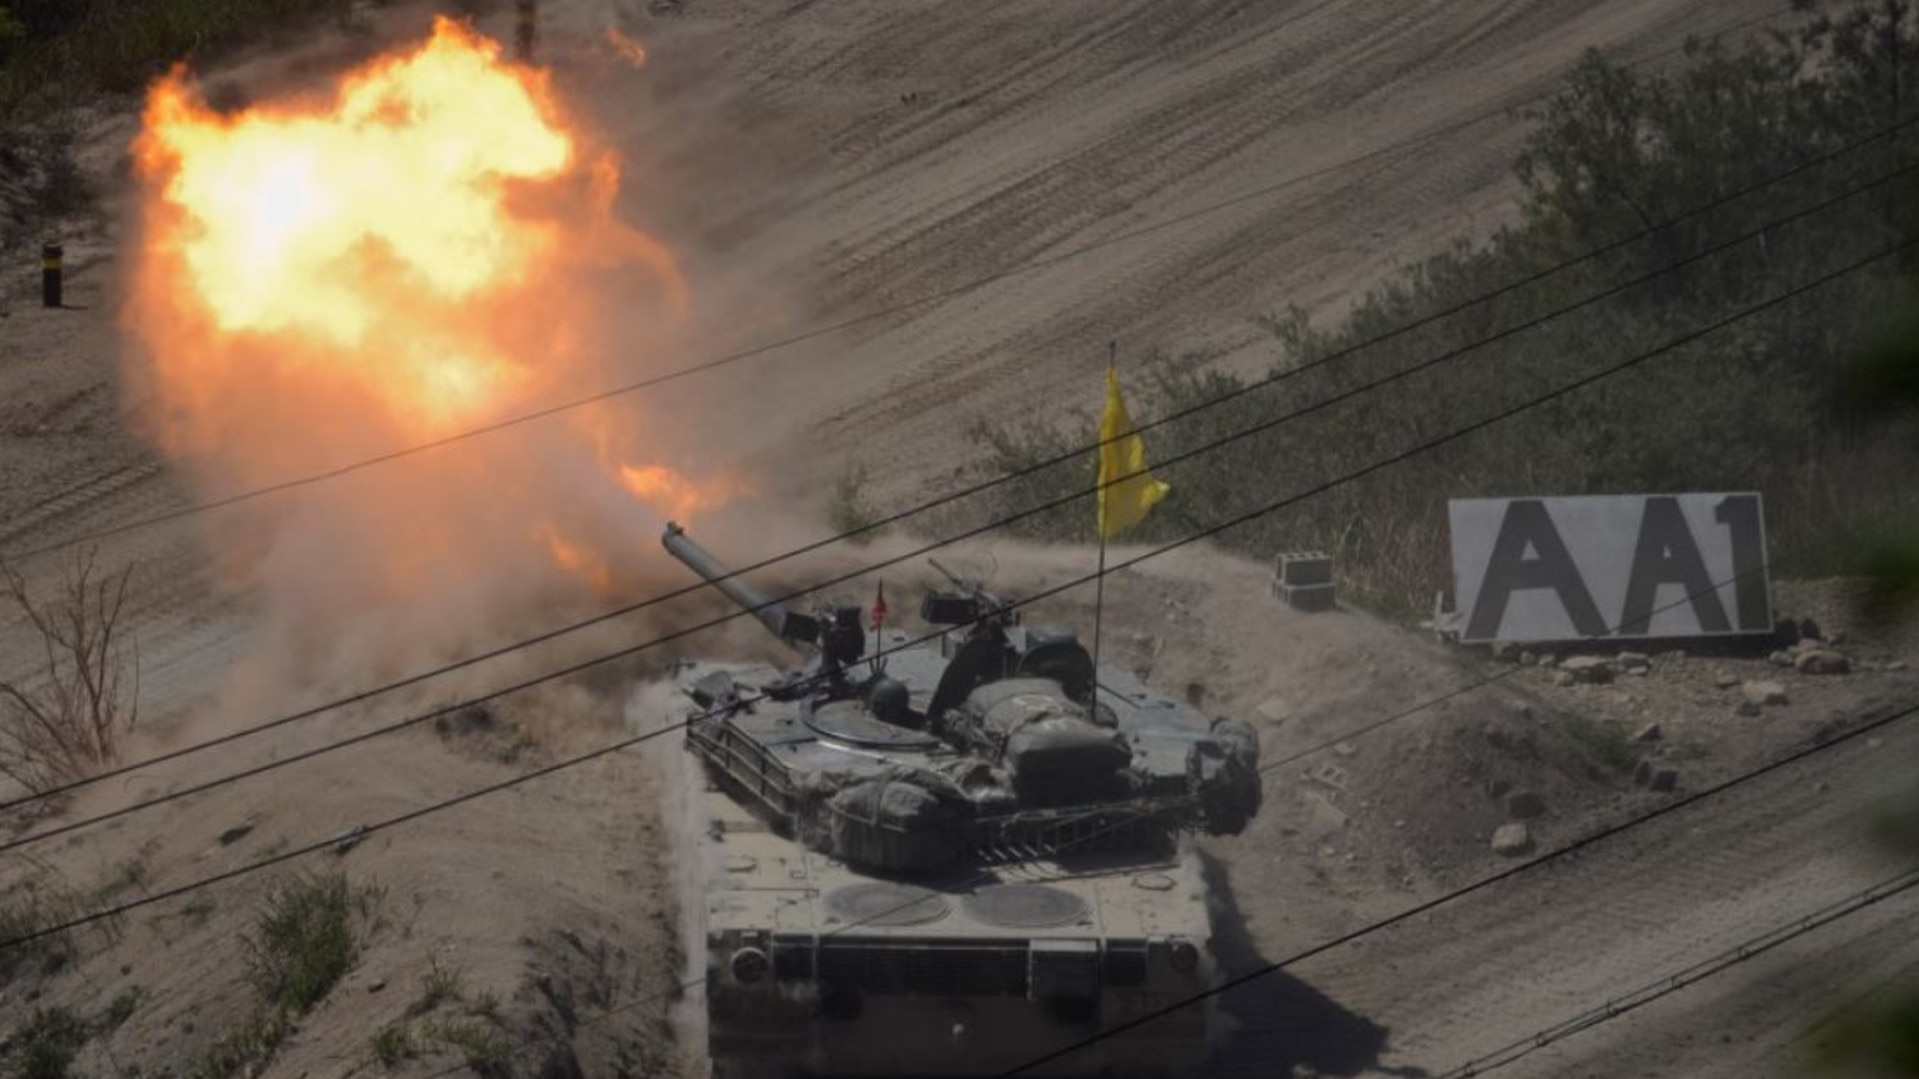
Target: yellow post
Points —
{"points": [[51, 262]]}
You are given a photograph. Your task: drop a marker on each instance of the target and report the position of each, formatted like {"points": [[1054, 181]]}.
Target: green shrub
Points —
{"points": [[45, 1046], [392, 1044], [1613, 153], [304, 942]]}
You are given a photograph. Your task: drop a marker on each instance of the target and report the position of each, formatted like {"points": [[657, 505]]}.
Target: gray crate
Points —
{"points": [[1302, 568], [1306, 597]]}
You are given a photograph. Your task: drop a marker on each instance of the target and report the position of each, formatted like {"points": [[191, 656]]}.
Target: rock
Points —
{"points": [[350, 839], [1593, 669], [1512, 840], [1634, 660], [376, 985], [1326, 817], [1524, 805], [1821, 661], [1664, 779], [1528, 659], [1505, 651], [1763, 692], [1746, 708], [1724, 678], [1564, 678], [234, 834], [1547, 659], [1894, 665], [1649, 733], [1271, 710], [1345, 749], [1781, 658]]}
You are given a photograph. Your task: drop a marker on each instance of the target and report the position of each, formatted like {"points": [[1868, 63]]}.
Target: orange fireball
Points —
{"points": [[430, 246]]}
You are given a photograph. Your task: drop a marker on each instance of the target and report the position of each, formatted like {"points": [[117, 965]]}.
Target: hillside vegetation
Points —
{"points": [[1646, 164]]}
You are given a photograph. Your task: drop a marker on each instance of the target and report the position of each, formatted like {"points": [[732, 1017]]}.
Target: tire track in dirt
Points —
{"points": [[1465, 979]]}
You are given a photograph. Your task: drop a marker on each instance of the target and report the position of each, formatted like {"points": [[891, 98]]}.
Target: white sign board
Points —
{"points": [[1548, 569]]}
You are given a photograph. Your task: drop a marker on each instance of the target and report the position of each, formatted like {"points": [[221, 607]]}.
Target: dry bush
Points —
{"points": [[68, 722]]}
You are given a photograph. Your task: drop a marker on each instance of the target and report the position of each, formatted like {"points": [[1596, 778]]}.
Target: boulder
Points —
{"points": [[1821, 661], [1592, 669], [1512, 840], [1763, 692]]}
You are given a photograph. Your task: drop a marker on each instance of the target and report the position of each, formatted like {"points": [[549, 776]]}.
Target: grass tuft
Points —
{"points": [[304, 943]]}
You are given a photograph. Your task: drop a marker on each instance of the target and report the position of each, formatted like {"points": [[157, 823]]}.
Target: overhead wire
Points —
{"points": [[948, 498], [1631, 1001], [864, 571], [1454, 435], [936, 296], [993, 873], [1815, 746]]}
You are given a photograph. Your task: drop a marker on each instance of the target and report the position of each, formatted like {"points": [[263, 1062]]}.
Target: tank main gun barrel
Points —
{"points": [[776, 617]]}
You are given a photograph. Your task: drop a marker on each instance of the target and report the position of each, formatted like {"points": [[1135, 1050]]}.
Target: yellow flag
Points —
{"points": [[1122, 453]]}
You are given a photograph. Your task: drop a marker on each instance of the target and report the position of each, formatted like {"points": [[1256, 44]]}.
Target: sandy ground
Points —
{"points": [[771, 147]]}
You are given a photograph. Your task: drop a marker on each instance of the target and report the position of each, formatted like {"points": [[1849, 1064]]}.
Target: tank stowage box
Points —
{"points": [[955, 858]]}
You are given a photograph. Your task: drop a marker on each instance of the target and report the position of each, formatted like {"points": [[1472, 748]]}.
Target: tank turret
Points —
{"points": [[910, 842]]}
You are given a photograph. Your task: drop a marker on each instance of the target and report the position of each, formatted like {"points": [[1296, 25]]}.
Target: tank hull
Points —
{"points": [[814, 968]]}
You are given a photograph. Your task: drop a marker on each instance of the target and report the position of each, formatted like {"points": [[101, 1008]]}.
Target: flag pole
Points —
{"points": [[1099, 578]]}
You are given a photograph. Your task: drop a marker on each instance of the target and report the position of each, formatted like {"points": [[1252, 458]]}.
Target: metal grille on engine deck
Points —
{"points": [[1028, 836], [925, 968]]}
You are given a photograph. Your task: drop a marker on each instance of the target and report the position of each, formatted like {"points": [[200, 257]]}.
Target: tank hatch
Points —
{"points": [[850, 722], [885, 903], [1025, 906]]}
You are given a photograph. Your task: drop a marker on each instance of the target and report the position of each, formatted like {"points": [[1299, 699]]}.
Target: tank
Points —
{"points": [[949, 857]]}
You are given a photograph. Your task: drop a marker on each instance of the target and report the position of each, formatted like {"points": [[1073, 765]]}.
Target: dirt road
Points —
{"points": [[1524, 956]]}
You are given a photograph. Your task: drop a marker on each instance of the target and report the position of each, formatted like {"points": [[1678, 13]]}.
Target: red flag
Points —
{"points": [[879, 606]]}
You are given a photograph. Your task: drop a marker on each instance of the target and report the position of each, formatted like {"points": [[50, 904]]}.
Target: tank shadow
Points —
{"points": [[1277, 1024]]}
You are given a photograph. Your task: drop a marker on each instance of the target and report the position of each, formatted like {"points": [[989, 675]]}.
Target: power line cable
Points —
{"points": [[1477, 886], [363, 695], [1638, 998], [1112, 567], [991, 874], [844, 324]]}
